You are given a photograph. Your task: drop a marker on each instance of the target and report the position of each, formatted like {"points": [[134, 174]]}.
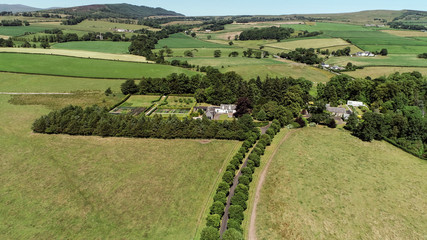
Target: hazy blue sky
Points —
{"points": [[237, 7]]}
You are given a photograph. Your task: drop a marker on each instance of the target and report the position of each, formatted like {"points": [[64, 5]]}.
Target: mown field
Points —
{"points": [[375, 72], [18, 31], [57, 186], [26, 83], [181, 40], [327, 184], [80, 67], [95, 46], [406, 60], [140, 101]]}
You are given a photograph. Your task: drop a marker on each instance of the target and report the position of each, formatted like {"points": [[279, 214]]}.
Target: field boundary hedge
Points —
{"points": [[121, 102], [392, 142]]}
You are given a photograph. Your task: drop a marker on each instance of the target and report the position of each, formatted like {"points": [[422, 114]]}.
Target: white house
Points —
{"points": [[365, 54], [355, 104], [226, 108], [337, 68], [325, 65]]}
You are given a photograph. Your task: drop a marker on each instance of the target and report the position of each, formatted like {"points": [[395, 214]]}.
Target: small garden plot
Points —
{"points": [[141, 101], [176, 102], [172, 111]]}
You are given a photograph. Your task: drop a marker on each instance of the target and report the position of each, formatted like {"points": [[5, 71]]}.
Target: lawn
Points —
{"points": [[57, 186], [179, 102], [78, 67], [25, 83], [95, 46], [18, 31], [326, 184], [181, 40], [140, 101]]}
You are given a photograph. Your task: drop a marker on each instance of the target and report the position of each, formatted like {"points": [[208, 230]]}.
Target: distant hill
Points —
{"points": [[114, 10], [17, 8]]}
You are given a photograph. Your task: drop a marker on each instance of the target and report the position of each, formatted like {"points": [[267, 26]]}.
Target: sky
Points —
{"points": [[244, 7]]}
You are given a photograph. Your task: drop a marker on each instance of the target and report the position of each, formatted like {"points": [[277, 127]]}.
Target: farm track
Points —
{"points": [[252, 224]]}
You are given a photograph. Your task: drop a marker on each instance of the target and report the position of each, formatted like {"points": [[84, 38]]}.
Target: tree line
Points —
{"points": [[14, 22], [97, 121], [303, 55], [277, 33]]}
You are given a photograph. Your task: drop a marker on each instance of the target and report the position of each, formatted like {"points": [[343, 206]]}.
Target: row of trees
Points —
{"points": [[303, 55], [277, 33], [422, 55], [401, 25], [213, 223], [97, 121], [6, 43]]}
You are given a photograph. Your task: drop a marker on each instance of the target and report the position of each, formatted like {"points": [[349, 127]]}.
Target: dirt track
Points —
{"points": [[252, 223]]}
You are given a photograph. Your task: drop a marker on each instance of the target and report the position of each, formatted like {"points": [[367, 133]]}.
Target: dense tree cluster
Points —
{"points": [[422, 55], [257, 19], [71, 20], [341, 52], [277, 33], [306, 33], [303, 55], [14, 22], [401, 25], [216, 25], [6, 43], [97, 121]]}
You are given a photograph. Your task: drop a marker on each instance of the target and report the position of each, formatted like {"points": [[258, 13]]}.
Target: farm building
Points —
{"points": [[211, 111], [338, 111], [325, 65], [355, 104], [337, 68], [365, 54]]}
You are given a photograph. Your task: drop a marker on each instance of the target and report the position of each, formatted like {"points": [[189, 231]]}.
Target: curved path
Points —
{"points": [[252, 223]]}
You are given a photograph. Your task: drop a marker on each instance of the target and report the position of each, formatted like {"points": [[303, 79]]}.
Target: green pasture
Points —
{"points": [[375, 72], [26, 83], [57, 186], [181, 40], [80, 67], [18, 31], [326, 184], [205, 52], [407, 60], [101, 26], [177, 102], [95, 46]]}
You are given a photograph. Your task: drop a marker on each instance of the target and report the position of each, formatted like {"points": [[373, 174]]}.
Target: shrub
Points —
{"points": [[217, 208], [213, 221], [265, 139], [232, 234], [235, 162], [220, 197], [223, 187], [247, 172], [242, 151], [236, 212], [258, 151], [247, 144], [242, 188], [209, 233], [235, 225], [261, 145], [231, 168], [228, 177]]}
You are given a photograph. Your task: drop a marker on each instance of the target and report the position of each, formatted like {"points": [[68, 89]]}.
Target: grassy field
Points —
{"points": [[95, 46], [18, 31], [406, 33], [78, 54], [181, 40], [140, 101], [79, 67], [179, 102], [408, 60], [310, 43], [25, 83], [79, 98], [57, 186], [318, 187], [375, 72]]}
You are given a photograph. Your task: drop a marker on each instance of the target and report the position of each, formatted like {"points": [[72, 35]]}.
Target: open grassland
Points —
{"points": [[101, 26], [81, 67], [18, 31], [95, 46], [406, 60], [140, 101], [57, 186], [181, 40], [26, 83], [78, 53], [58, 101], [310, 43], [406, 33], [375, 72], [327, 184]]}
